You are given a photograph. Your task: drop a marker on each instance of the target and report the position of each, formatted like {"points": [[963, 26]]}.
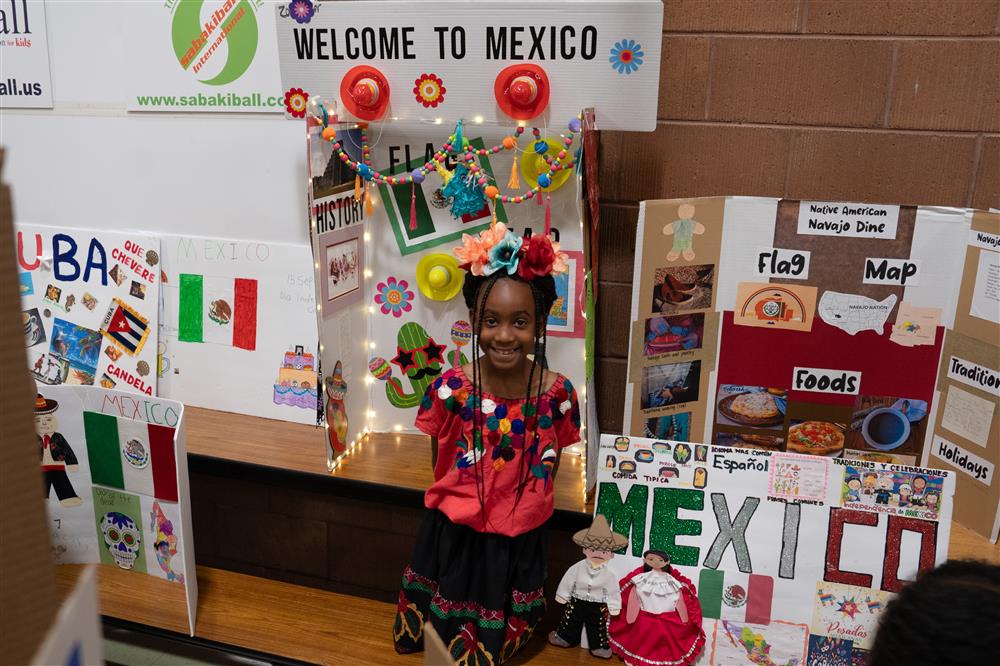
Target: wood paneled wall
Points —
{"points": [[892, 101]]}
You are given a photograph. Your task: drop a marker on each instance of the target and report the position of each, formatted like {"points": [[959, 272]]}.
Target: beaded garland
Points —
{"points": [[458, 149]]}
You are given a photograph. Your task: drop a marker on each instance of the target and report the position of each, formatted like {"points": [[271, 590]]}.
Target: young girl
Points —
{"points": [[497, 426], [660, 622]]}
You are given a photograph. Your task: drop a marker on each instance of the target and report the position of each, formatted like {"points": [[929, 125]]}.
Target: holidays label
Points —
{"points": [[971, 464], [778, 262], [892, 271], [974, 375], [821, 380], [985, 240], [850, 220]]}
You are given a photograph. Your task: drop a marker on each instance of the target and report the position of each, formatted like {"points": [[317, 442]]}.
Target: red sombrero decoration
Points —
{"points": [[522, 91], [364, 92]]}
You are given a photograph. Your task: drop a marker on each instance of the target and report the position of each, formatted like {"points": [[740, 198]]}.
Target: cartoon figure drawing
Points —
{"points": [[919, 489], [853, 490], [883, 489], [166, 542], [336, 414], [905, 492], [683, 230], [868, 489], [931, 500], [55, 453]]}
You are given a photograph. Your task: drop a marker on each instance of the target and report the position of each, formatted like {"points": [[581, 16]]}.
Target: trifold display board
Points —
{"points": [[402, 77], [384, 339], [792, 561], [817, 328], [811, 327], [966, 435], [115, 478]]}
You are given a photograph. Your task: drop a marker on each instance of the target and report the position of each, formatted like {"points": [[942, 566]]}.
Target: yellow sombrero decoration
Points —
{"points": [[533, 164], [438, 276]]}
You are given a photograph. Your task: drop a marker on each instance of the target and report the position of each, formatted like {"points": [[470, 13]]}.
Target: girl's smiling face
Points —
{"points": [[507, 334]]}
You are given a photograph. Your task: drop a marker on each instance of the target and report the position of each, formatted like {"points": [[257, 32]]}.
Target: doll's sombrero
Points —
{"points": [[599, 536], [438, 276]]}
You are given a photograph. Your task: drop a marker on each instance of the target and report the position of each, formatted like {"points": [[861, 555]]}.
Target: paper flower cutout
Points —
{"points": [[429, 90], [301, 10], [295, 102], [394, 297], [626, 56], [505, 255]]}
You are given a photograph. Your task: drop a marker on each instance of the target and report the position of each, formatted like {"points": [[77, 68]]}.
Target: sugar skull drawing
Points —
{"points": [[122, 537]]}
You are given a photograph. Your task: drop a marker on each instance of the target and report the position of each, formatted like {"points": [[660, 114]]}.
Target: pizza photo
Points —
{"points": [[817, 438], [756, 407]]}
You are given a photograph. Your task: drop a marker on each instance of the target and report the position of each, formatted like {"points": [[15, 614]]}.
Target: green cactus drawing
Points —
{"points": [[420, 359]]}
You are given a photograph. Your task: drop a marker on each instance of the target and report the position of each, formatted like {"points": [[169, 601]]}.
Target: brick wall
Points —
{"points": [[893, 101]]}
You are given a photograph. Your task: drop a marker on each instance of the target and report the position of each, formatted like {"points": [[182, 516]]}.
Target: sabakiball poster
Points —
{"points": [[799, 554]]}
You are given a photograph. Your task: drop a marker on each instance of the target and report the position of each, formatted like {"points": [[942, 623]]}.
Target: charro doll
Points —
{"points": [[589, 590]]}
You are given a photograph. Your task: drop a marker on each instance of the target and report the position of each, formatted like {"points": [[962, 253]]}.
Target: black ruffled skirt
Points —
{"points": [[483, 593]]}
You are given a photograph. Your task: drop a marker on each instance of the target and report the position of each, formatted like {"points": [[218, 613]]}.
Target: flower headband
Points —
{"points": [[499, 249]]}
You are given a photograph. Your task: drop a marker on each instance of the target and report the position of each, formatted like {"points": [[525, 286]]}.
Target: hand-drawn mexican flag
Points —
{"points": [[731, 595], [131, 455], [219, 310]]}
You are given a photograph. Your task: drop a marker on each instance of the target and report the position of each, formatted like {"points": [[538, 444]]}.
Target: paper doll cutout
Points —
{"points": [[683, 230]]}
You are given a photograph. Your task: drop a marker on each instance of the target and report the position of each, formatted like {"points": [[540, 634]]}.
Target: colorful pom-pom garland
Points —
{"points": [[458, 149]]}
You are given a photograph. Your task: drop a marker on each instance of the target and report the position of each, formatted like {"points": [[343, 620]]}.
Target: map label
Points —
{"points": [[891, 271]]}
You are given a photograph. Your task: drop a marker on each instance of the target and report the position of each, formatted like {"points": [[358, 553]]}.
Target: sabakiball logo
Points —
{"points": [[217, 40]]}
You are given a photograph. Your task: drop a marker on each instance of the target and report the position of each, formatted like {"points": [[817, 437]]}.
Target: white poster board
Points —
{"points": [[24, 56], [267, 368], [75, 637], [604, 55], [90, 304], [813, 553], [114, 468], [202, 56]]}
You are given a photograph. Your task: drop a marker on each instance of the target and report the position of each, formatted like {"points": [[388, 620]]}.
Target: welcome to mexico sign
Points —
{"points": [[791, 552], [203, 55]]}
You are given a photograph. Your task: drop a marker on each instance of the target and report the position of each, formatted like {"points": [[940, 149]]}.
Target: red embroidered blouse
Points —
{"points": [[503, 457]]}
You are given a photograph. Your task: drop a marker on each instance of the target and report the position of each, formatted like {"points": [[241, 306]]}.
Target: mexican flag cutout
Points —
{"points": [[219, 310], [728, 595], [131, 455]]}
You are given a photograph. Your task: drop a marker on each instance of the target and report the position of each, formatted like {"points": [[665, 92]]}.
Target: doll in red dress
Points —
{"points": [[660, 622]]}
